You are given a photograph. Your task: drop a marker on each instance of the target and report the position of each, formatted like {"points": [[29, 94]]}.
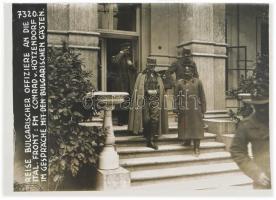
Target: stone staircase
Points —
{"points": [[173, 164]]}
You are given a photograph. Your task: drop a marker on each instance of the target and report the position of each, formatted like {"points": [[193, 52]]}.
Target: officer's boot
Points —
{"points": [[148, 135], [153, 135], [187, 143], [196, 147]]}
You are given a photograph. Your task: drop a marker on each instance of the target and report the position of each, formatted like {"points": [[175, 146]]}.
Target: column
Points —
{"points": [[202, 29]]}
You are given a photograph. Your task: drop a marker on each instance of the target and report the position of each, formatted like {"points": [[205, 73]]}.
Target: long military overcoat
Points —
{"points": [[135, 122], [190, 106]]}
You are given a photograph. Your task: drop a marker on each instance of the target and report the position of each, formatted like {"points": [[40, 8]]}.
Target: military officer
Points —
{"points": [[148, 113], [190, 107], [255, 130], [123, 77], [178, 67]]}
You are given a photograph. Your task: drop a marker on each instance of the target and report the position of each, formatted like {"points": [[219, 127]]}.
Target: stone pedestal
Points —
{"points": [[110, 175], [113, 179], [109, 158]]}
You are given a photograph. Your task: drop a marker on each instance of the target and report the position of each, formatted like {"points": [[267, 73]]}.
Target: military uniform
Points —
{"points": [[148, 112], [151, 110], [178, 67], [191, 105], [123, 77], [251, 130]]}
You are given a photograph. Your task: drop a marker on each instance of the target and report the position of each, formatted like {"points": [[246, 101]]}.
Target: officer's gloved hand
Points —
{"points": [[263, 180]]}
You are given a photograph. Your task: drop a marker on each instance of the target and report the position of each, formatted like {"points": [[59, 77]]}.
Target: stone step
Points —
{"points": [[228, 181], [216, 112], [139, 140], [182, 173], [165, 150], [123, 130], [135, 164], [220, 127], [216, 116]]}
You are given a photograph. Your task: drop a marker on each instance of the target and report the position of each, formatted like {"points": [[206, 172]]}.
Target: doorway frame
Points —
{"points": [[135, 54], [119, 34]]}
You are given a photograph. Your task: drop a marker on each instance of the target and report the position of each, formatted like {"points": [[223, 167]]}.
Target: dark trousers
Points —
{"points": [[195, 141], [122, 116], [150, 121]]}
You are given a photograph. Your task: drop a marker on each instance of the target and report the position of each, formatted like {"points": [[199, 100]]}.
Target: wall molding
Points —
{"points": [[209, 55], [76, 47], [202, 42], [89, 33], [164, 56]]}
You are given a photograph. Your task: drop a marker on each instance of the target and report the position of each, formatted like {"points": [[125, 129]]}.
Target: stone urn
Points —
{"points": [[244, 96], [109, 158]]}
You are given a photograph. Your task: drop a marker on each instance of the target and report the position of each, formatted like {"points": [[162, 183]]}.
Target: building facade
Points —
{"points": [[224, 39]]}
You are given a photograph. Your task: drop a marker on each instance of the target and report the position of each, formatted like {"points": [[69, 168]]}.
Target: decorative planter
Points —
{"points": [[243, 96]]}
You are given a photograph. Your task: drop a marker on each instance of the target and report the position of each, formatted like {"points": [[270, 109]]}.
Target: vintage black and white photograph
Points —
{"points": [[141, 97]]}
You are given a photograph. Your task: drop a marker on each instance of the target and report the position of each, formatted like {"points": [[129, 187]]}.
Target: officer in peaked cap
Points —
{"points": [[150, 118], [123, 77], [178, 67]]}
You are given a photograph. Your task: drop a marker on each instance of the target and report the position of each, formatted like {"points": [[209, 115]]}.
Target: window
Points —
{"points": [[121, 17], [117, 23], [246, 33], [237, 66]]}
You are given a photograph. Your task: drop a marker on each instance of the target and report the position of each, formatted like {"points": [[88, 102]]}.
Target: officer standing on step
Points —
{"points": [[178, 67], [190, 105], [148, 112]]}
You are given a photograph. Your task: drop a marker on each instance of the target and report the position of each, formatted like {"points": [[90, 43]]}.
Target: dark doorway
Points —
{"points": [[118, 77], [112, 49]]}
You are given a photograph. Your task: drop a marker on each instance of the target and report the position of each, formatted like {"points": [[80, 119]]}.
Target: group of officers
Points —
{"points": [[148, 113]]}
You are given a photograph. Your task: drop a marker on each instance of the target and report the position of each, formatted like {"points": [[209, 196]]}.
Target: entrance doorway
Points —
{"points": [[111, 47], [115, 76]]}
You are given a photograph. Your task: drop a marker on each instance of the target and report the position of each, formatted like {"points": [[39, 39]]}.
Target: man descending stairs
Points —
{"points": [[174, 165]]}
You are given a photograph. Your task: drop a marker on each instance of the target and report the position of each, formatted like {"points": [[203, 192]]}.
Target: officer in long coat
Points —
{"points": [[254, 130], [123, 78], [190, 105], [148, 112]]}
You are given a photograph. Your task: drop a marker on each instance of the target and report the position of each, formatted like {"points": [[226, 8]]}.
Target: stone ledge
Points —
{"points": [[133, 162], [220, 127], [113, 179], [198, 170], [202, 43], [227, 140], [59, 32]]}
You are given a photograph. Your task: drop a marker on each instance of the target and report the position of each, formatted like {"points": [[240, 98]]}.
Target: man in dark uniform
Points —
{"points": [[255, 130], [151, 110], [123, 77], [178, 67]]}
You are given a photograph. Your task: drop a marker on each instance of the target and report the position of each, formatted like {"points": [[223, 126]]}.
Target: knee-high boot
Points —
{"points": [[153, 135], [196, 147]]}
